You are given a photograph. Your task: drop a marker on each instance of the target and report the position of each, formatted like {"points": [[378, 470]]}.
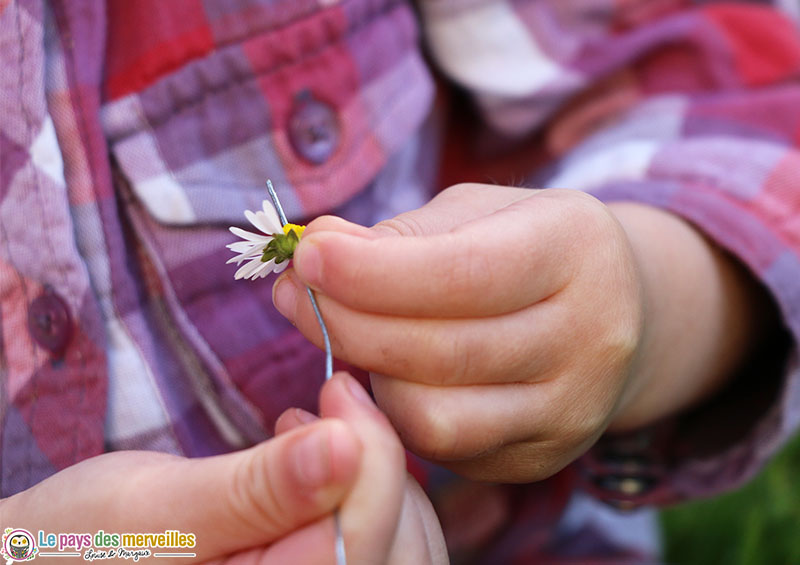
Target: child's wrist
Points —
{"points": [[702, 310]]}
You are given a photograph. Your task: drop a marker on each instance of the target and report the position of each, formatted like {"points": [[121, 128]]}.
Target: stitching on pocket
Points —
{"points": [[257, 74], [372, 13]]}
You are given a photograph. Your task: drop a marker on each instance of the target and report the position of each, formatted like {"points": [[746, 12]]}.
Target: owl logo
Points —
{"points": [[18, 545]]}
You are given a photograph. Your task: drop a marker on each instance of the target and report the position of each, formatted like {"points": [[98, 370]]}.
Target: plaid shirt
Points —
{"points": [[133, 133]]}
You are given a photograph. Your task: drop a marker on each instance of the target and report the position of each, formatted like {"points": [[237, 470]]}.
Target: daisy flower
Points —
{"points": [[266, 252]]}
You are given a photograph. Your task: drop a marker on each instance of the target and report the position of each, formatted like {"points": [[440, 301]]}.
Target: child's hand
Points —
{"points": [[507, 328], [271, 504], [231, 502], [386, 518]]}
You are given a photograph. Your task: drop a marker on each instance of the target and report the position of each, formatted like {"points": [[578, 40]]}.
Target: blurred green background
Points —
{"points": [[756, 525]]}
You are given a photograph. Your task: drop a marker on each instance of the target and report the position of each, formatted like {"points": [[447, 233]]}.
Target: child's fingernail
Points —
{"points": [[305, 417], [358, 392], [312, 459], [308, 263], [284, 297]]}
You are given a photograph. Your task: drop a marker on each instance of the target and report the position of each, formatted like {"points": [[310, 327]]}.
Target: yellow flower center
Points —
{"points": [[298, 230]]}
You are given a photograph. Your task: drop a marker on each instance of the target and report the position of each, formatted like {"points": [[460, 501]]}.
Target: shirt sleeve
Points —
{"points": [[692, 110], [736, 178]]}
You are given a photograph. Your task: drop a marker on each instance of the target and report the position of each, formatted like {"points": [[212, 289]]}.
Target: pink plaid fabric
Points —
{"points": [[133, 133]]}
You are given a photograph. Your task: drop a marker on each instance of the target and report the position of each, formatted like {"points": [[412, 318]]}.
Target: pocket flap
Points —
{"points": [[318, 106]]}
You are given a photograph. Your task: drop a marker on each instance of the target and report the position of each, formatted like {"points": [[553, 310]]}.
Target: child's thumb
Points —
{"points": [[259, 495], [221, 505]]}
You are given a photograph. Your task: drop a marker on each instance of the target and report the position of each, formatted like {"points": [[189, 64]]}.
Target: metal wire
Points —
{"points": [[341, 557]]}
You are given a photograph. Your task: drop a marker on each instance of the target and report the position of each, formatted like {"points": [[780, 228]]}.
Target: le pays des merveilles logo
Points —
{"points": [[18, 545]]}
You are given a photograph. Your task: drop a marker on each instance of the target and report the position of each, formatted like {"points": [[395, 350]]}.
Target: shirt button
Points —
{"points": [[626, 485], [49, 321], [313, 129]]}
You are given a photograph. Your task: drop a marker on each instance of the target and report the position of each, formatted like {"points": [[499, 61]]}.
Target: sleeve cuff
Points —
{"points": [[725, 441]]}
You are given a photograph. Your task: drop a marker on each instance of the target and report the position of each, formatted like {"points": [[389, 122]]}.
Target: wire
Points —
{"points": [[341, 557]]}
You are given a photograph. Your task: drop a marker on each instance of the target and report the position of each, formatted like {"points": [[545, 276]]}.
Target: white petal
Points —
{"points": [[280, 267], [273, 225], [242, 246], [259, 268], [240, 272], [259, 220], [268, 267], [246, 270], [262, 273], [243, 257], [253, 274], [249, 236], [272, 216]]}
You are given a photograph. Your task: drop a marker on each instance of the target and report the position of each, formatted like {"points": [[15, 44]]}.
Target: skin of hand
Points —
{"points": [[270, 504], [386, 519], [506, 329]]}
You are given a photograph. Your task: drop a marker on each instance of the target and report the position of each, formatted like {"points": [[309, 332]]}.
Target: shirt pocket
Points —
{"points": [[317, 104]]}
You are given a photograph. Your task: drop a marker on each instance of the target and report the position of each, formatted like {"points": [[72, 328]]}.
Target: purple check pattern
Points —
{"points": [[123, 159]]}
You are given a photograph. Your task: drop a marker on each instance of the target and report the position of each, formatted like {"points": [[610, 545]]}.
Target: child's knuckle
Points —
{"points": [[465, 271], [435, 434], [404, 225], [253, 498]]}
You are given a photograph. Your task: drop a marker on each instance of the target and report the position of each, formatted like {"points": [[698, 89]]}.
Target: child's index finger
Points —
{"points": [[492, 265]]}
